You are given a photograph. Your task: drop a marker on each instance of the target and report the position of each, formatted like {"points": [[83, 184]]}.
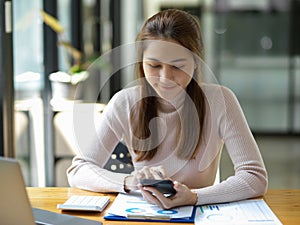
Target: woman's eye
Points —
{"points": [[154, 65], [178, 67]]}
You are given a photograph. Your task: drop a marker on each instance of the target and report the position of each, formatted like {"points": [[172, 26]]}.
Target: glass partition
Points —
{"points": [[252, 53], [297, 96], [28, 83]]}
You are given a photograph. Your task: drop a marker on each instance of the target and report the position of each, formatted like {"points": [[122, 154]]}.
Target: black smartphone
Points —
{"points": [[163, 186]]}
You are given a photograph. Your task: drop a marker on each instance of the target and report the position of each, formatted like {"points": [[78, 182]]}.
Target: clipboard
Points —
{"points": [[146, 218], [132, 207]]}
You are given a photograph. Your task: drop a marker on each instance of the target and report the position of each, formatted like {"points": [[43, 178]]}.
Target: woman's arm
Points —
{"points": [[250, 178], [95, 144]]}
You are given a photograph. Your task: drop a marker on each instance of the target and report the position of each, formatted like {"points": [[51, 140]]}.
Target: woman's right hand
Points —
{"points": [[132, 181]]}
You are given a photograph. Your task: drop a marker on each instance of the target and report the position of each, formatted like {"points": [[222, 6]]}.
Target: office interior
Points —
{"points": [[251, 47]]}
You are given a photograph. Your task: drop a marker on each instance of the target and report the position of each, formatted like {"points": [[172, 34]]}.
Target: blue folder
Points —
{"points": [[152, 219]]}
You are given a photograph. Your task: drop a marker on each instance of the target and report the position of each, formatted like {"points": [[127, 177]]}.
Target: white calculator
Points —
{"points": [[85, 203]]}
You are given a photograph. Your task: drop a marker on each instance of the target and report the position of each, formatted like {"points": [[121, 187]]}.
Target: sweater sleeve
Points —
{"points": [[95, 146], [250, 177]]}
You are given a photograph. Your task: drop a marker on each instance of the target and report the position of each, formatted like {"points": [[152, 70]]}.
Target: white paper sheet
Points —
{"points": [[134, 206], [254, 212]]}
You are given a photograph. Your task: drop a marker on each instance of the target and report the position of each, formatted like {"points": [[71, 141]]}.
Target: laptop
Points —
{"points": [[15, 207]]}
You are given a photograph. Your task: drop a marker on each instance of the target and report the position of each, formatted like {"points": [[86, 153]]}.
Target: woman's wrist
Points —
{"points": [[195, 198], [128, 182]]}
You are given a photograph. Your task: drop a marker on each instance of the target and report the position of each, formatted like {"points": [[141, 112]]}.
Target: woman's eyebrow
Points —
{"points": [[171, 61]]}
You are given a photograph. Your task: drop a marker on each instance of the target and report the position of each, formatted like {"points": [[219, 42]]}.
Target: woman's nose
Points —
{"points": [[166, 73]]}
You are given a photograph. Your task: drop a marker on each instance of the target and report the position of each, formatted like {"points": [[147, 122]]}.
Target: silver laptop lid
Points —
{"points": [[15, 208], [14, 203]]}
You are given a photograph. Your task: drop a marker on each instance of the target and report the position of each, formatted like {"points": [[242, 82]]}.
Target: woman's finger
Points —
{"points": [[150, 198], [158, 198], [146, 171], [158, 172]]}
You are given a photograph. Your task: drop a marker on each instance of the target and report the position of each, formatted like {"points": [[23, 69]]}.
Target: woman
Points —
{"points": [[173, 125]]}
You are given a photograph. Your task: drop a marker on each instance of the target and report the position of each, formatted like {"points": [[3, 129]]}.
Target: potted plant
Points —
{"points": [[64, 83]]}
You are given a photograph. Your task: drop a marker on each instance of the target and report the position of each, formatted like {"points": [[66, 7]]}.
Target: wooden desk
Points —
{"points": [[284, 203]]}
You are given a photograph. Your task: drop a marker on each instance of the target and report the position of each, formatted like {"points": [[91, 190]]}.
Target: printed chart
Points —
{"points": [[255, 212], [133, 206]]}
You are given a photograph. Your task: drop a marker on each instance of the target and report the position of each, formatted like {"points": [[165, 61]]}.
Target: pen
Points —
{"points": [[41, 223], [150, 217]]}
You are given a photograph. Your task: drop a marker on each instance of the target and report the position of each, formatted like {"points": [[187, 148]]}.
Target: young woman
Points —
{"points": [[173, 125]]}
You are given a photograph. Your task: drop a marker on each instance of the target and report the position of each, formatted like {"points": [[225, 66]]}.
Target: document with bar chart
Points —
{"points": [[254, 212]]}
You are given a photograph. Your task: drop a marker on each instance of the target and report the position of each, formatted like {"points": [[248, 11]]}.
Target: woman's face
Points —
{"points": [[168, 67]]}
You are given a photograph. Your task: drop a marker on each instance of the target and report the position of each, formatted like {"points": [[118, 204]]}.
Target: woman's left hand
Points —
{"points": [[184, 196]]}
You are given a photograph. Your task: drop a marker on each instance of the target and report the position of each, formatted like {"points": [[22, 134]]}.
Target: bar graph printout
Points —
{"points": [[254, 212]]}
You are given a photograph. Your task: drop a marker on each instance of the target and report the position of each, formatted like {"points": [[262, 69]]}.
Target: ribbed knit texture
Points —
{"points": [[225, 124]]}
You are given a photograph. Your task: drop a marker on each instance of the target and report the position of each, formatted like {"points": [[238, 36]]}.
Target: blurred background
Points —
{"points": [[253, 47]]}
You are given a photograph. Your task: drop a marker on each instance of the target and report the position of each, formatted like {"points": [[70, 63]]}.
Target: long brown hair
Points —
{"points": [[171, 24]]}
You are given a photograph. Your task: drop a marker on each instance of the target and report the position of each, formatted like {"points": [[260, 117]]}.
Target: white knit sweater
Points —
{"points": [[224, 124]]}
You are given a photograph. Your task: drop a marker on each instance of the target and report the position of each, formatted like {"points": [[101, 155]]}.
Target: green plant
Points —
{"points": [[77, 67], [73, 56]]}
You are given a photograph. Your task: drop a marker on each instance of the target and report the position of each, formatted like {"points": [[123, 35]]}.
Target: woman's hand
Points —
{"points": [[184, 196], [131, 182]]}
